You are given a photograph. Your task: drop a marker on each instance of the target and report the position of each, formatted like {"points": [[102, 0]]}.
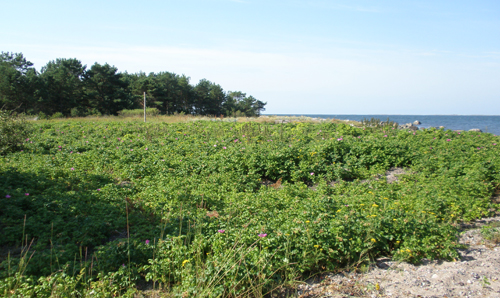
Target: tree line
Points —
{"points": [[67, 87]]}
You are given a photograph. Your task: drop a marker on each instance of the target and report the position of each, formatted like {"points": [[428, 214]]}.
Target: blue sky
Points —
{"points": [[301, 57]]}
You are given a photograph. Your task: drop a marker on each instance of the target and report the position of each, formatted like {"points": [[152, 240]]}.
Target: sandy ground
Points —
{"points": [[477, 274]]}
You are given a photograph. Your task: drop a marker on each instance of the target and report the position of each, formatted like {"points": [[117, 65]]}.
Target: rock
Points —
{"points": [[408, 126], [281, 121], [475, 130], [434, 276], [417, 122], [441, 127]]}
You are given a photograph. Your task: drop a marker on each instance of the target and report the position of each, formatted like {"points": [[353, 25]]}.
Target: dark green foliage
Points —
{"points": [[63, 87], [19, 82], [106, 90], [14, 131], [66, 86]]}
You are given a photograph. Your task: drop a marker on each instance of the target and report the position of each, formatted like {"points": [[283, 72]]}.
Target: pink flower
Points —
{"points": [[72, 169], [224, 148], [385, 136], [215, 145], [312, 174], [7, 196], [131, 149], [262, 235], [339, 139], [98, 189], [221, 231], [448, 140], [59, 147], [243, 135], [27, 194], [494, 144], [147, 242], [146, 148]]}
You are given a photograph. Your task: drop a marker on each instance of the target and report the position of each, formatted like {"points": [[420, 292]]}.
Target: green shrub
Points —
{"points": [[13, 131], [57, 115], [42, 116]]}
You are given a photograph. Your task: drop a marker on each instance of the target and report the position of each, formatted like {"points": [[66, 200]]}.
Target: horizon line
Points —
{"points": [[376, 115]]}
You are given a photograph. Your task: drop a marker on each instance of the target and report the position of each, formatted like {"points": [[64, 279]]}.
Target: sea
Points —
{"points": [[488, 124]]}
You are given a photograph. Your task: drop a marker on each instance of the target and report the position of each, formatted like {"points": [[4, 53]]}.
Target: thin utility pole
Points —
{"points": [[144, 107]]}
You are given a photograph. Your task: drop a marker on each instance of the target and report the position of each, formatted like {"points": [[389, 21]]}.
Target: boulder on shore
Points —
{"points": [[475, 130], [417, 122], [409, 126]]}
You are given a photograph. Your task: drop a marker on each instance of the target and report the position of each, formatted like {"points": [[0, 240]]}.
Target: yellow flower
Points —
{"points": [[397, 242], [184, 262], [374, 215], [316, 246], [361, 204], [374, 205], [395, 219], [407, 250], [338, 210], [373, 240], [307, 221], [370, 192], [377, 287], [386, 198]]}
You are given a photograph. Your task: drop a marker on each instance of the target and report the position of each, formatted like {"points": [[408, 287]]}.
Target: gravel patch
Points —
{"points": [[476, 274]]}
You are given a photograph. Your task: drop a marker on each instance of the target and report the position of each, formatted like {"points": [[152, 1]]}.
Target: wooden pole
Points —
{"points": [[144, 107]]}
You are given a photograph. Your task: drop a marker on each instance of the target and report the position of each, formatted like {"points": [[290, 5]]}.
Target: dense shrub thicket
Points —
{"points": [[229, 209], [13, 131]]}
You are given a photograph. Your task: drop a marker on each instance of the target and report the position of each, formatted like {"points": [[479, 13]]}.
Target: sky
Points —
{"points": [[425, 57]]}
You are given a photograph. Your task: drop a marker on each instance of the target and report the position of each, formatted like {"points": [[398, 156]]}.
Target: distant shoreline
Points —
{"points": [[306, 115]]}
